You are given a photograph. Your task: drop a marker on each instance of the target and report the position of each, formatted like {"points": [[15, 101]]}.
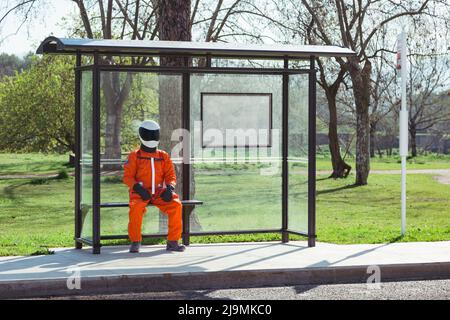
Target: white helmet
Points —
{"points": [[149, 133]]}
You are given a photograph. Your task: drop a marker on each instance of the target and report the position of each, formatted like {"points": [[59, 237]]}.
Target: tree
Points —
{"points": [[427, 109], [383, 96], [139, 20], [119, 20], [340, 168], [356, 25], [286, 21], [10, 64], [37, 107], [173, 24]]}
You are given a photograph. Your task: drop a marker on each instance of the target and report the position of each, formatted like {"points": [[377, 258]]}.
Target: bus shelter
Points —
{"points": [[238, 120]]}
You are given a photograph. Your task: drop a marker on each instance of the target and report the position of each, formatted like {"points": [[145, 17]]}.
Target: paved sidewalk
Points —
{"points": [[219, 265]]}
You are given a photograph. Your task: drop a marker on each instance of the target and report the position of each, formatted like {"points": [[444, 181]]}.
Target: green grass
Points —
{"points": [[392, 163], [371, 214], [34, 217], [32, 163], [37, 214]]}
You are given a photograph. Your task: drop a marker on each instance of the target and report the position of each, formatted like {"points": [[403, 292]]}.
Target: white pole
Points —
{"points": [[403, 126], [403, 196]]}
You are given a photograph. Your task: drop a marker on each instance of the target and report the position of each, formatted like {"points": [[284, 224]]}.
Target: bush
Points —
{"points": [[39, 181], [112, 179], [62, 174]]}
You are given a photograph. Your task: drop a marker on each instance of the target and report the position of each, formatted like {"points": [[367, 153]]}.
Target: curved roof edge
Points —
{"points": [[50, 45], [54, 45]]}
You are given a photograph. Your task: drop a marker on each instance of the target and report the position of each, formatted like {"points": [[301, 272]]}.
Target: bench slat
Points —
{"points": [[125, 204]]}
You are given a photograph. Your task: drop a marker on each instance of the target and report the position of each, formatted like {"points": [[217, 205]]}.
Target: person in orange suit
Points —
{"points": [[150, 176]]}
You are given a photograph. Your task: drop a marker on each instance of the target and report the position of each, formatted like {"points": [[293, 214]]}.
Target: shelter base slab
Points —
{"points": [[224, 265]]}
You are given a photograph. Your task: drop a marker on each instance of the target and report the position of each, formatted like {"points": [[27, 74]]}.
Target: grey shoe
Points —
{"points": [[134, 248], [174, 246]]}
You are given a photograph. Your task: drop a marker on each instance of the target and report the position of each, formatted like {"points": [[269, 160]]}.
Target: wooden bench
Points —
{"points": [[188, 207]]}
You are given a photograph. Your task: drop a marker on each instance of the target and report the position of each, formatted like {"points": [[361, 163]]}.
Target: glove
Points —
{"points": [[145, 195], [167, 194]]}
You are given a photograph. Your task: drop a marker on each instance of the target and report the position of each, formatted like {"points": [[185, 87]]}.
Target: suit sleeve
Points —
{"points": [[169, 171], [129, 172]]}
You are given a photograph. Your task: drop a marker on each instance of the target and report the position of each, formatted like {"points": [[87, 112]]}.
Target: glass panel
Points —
{"points": [[86, 154], [240, 186], [298, 153], [142, 96], [246, 63], [115, 221]]}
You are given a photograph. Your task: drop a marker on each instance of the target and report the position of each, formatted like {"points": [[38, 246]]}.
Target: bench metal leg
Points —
{"points": [[96, 249], [311, 241], [284, 236], [186, 224], [78, 245]]}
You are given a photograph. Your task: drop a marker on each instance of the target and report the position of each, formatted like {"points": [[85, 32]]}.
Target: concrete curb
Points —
{"points": [[220, 280]]}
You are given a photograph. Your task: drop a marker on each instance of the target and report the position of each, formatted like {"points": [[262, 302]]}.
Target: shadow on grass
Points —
{"points": [[9, 191], [35, 166], [395, 239], [349, 186]]}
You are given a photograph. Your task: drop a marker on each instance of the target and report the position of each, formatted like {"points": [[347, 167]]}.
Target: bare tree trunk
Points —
{"points": [[373, 129], [361, 91], [362, 148], [340, 168], [413, 135], [173, 24], [115, 95], [112, 134]]}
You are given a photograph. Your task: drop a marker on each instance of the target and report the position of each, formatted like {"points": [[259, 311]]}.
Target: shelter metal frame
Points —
{"points": [[54, 45]]}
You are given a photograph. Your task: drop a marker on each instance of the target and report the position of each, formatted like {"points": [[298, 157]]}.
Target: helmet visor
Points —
{"points": [[149, 135]]}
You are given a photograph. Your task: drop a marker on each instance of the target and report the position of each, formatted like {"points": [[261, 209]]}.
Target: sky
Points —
{"points": [[31, 34], [49, 23]]}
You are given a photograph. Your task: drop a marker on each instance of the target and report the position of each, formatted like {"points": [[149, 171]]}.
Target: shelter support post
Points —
{"points": [[186, 171], [187, 210], [78, 219], [284, 144], [96, 155], [312, 155]]}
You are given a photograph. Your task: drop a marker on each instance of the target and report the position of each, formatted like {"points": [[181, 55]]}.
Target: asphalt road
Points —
{"points": [[417, 290]]}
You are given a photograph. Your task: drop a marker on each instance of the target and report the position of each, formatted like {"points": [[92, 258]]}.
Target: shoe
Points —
{"points": [[134, 248], [174, 246]]}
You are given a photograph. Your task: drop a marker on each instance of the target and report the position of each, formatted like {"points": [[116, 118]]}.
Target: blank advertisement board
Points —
{"points": [[236, 119]]}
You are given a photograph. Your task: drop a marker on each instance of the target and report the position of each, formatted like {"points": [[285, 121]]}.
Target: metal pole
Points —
{"points": [[403, 196], [78, 220], [403, 126], [96, 156], [186, 172], [312, 155], [284, 143]]}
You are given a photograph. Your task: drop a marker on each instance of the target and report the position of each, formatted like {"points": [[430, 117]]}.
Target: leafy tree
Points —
{"points": [[37, 107], [426, 95], [10, 64]]}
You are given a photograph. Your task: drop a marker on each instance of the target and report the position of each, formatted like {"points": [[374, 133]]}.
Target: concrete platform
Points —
{"points": [[212, 266]]}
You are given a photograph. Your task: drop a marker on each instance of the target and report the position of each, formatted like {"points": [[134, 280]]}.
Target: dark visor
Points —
{"points": [[149, 135]]}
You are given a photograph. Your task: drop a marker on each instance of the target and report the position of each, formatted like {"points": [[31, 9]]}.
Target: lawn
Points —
{"points": [[37, 214], [32, 163], [392, 163]]}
